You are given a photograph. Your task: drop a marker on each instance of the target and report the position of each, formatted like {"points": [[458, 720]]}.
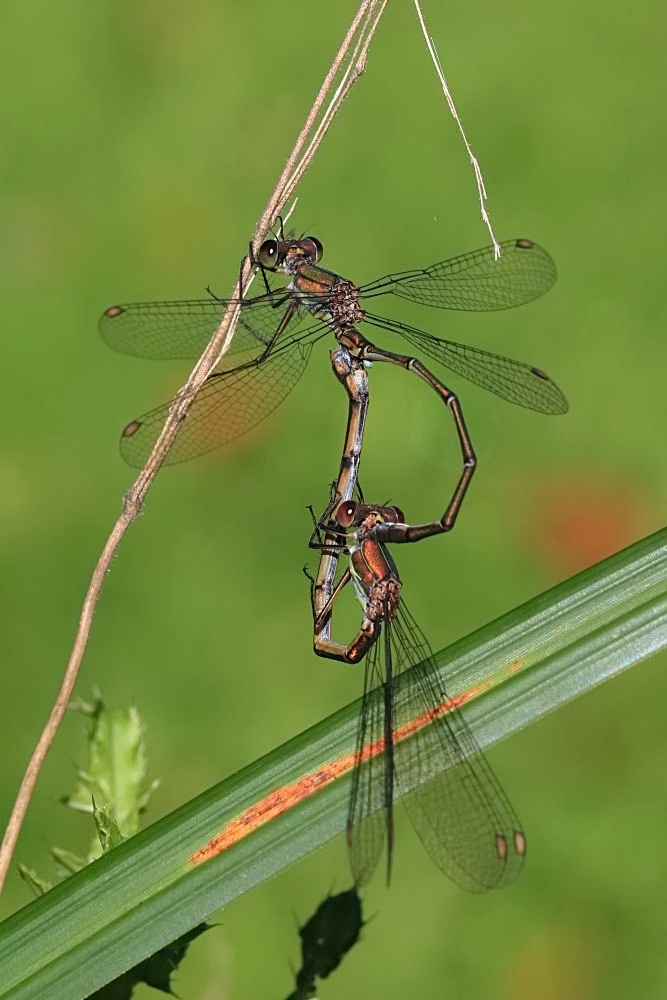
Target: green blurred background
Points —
{"points": [[140, 142]]}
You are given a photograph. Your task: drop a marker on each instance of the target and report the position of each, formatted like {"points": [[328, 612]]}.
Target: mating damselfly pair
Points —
{"points": [[412, 739]]}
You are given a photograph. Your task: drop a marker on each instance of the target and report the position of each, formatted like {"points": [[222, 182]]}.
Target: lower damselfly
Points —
{"points": [[412, 740], [277, 330]]}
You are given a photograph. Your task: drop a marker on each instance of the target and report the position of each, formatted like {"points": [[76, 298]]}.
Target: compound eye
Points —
{"points": [[318, 250], [344, 513], [268, 254], [399, 516]]}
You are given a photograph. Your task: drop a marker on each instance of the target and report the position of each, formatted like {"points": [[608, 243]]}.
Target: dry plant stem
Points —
{"points": [[348, 65], [479, 180]]}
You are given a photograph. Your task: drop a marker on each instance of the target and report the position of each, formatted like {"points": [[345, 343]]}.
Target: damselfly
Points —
{"points": [[412, 740], [277, 330]]}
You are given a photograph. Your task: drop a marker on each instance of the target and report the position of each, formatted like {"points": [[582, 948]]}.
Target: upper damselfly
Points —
{"points": [[277, 330]]}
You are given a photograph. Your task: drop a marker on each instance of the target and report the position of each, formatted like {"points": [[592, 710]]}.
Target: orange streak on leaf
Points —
{"points": [[287, 796], [272, 805]]}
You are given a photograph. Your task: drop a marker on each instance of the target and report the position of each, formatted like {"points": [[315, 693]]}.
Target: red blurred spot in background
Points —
{"points": [[576, 522]]}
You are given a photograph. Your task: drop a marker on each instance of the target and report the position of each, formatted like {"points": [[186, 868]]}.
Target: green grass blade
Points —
{"points": [[147, 892]]}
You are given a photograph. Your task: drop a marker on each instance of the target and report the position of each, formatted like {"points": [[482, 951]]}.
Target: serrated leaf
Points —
{"points": [[108, 830], [67, 861], [116, 773], [31, 878], [115, 776], [155, 971]]}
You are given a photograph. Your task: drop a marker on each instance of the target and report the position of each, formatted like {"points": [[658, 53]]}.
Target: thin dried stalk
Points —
{"points": [[479, 180], [345, 70]]}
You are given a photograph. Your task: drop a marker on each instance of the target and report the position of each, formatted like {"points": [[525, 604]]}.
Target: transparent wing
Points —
{"points": [[229, 404], [475, 281], [366, 820], [453, 798], [183, 329], [512, 380]]}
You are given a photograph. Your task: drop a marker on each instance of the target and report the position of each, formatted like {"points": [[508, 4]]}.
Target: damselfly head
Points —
{"points": [[350, 513], [274, 255]]}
